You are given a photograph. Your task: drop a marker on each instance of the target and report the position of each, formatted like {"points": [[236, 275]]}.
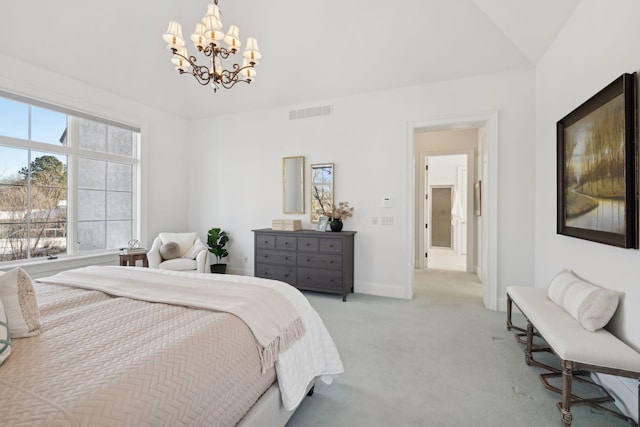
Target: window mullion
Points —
{"points": [[28, 243], [72, 187]]}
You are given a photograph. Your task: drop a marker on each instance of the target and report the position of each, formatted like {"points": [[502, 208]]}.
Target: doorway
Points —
{"points": [[482, 228], [447, 160], [445, 218]]}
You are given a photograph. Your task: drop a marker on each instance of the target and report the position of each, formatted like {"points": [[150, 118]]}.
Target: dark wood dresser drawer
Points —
{"points": [[308, 244], [331, 245], [265, 242], [276, 272], [306, 259], [266, 256], [320, 279], [286, 242], [317, 260]]}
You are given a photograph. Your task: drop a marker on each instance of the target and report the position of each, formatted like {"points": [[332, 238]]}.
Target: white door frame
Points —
{"points": [[489, 267]]}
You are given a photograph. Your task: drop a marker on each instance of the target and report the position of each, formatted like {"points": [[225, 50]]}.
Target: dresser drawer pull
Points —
{"points": [[266, 256], [331, 262], [286, 258], [308, 244], [266, 241], [286, 243], [286, 275], [308, 277], [307, 260], [331, 245]]}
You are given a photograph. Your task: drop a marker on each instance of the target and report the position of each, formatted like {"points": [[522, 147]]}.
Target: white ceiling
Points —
{"points": [[311, 50]]}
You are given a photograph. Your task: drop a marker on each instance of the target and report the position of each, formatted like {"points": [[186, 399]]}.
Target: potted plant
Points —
{"points": [[216, 240], [339, 213]]}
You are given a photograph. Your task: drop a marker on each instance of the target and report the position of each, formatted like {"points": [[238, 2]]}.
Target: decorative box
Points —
{"points": [[286, 224]]}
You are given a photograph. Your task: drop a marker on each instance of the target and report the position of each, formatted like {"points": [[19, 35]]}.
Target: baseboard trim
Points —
{"points": [[502, 304], [380, 290]]}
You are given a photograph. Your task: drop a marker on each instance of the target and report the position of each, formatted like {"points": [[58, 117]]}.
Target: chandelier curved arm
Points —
{"points": [[200, 72], [229, 78]]}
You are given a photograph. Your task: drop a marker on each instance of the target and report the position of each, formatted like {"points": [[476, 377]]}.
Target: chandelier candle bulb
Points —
{"points": [[207, 39], [174, 36], [252, 53], [198, 37], [232, 38], [213, 10], [180, 61], [247, 71], [213, 29]]}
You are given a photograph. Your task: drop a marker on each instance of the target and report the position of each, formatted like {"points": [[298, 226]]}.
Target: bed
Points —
{"points": [[118, 354]]}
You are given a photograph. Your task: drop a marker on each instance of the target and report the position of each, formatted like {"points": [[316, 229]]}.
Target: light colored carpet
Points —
{"points": [[440, 359]]}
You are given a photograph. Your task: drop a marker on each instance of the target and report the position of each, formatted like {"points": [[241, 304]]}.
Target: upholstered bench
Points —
{"points": [[579, 350]]}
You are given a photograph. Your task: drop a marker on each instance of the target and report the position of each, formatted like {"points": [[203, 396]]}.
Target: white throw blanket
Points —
{"points": [[303, 350]]}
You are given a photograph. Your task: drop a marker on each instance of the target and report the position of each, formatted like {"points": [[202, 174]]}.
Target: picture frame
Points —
{"points": [[323, 221], [597, 167]]}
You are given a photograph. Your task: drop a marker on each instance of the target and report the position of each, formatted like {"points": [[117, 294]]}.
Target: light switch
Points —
{"points": [[386, 220], [386, 202]]}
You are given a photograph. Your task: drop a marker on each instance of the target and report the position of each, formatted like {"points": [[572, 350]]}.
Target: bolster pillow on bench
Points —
{"points": [[591, 305]]}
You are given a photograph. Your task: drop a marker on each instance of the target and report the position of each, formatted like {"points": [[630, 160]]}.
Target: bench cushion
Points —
{"points": [[567, 338], [589, 304]]}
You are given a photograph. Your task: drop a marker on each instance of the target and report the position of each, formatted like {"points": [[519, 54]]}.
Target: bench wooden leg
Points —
{"points": [[509, 307], [567, 378], [528, 354]]}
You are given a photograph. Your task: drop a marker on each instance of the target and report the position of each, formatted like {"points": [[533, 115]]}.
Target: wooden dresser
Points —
{"points": [[306, 259]]}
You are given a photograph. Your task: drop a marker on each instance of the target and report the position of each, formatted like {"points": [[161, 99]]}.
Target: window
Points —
{"points": [[68, 182]]}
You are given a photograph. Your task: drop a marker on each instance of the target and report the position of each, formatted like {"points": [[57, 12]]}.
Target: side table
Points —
{"points": [[130, 259]]}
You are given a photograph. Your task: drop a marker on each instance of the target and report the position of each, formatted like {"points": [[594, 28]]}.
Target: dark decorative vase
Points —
{"points": [[219, 268], [336, 225]]}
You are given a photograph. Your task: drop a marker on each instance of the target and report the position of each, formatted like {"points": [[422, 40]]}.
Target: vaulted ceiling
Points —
{"points": [[311, 50]]}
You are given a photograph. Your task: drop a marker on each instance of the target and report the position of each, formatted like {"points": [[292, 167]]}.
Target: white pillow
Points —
{"points": [[195, 250], [184, 240], [5, 340], [589, 304], [20, 304]]}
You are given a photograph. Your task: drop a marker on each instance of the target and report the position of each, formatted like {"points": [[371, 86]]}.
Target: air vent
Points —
{"points": [[308, 113]]}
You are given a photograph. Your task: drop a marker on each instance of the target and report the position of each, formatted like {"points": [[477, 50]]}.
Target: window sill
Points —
{"points": [[47, 267]]}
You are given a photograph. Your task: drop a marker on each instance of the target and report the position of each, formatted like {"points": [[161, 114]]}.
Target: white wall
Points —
{"points": [[443, 170], [164, 141], [236, 171], [597, 45]]}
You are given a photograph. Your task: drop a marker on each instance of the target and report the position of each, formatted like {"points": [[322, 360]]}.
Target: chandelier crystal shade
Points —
{"points": [[208, 38]]}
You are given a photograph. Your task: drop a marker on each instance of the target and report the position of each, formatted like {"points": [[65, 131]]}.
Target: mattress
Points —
{"points": [[107, 361]]}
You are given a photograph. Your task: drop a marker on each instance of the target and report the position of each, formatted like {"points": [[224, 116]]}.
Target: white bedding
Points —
{"points": [[312, 355]]}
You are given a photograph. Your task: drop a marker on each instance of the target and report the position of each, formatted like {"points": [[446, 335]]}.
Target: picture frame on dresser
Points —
{"points": [[323, 222], [597, 164]]}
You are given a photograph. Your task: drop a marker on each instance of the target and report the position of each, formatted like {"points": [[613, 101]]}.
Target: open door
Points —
{"points": [[441, 229]]}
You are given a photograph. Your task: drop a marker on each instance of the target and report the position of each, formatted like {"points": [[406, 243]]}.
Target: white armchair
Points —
{"points": [[193, 255]]}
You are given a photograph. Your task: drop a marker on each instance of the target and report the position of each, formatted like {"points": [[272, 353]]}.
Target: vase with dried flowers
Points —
{"points": [[338, 214]]}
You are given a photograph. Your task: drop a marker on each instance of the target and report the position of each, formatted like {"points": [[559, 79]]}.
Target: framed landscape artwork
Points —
{"points": [[597, 167]]}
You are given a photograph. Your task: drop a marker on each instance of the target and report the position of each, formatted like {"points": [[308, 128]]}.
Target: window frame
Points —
{"points": [[73, 152]]}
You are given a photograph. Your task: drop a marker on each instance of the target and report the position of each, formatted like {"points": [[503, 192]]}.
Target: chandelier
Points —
{"points": [[207, 38]]}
